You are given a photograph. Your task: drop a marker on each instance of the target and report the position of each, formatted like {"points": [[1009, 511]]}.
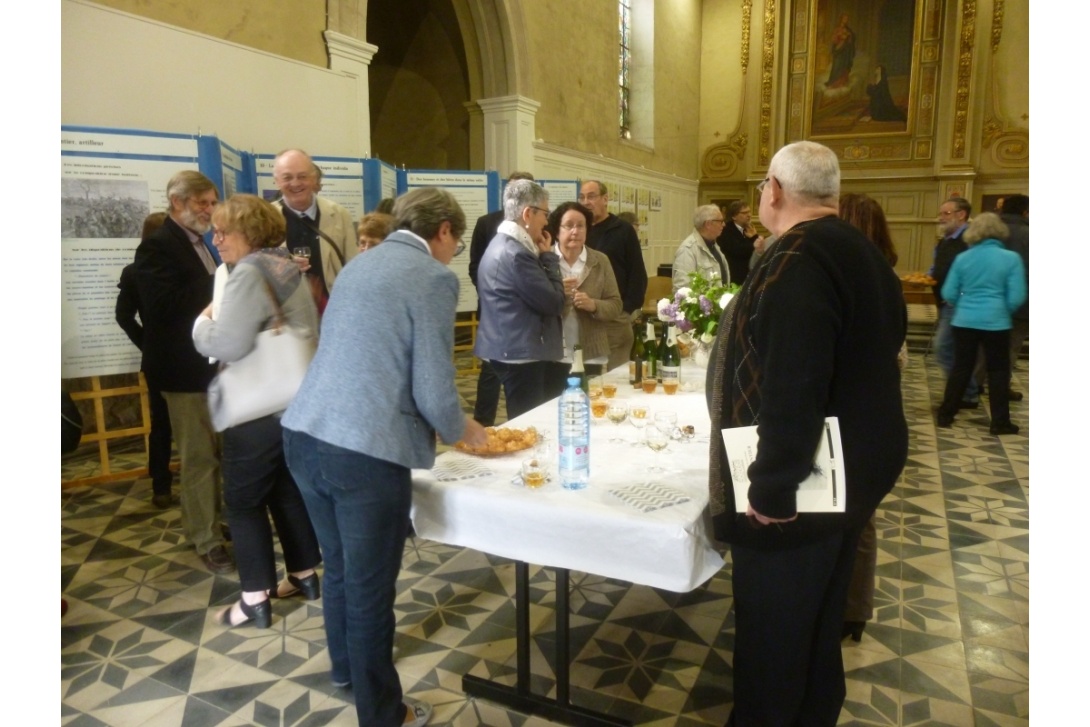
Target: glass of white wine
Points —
{"points": [[617, 413], [640, 416], [656, 440], [304, 253]]}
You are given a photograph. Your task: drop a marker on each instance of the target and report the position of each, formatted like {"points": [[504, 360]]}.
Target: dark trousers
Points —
{"points": [[526, 385], [159, 444], [488, 395], [257, 483], [789, 611], [860, 603], [360, 509], [997, 360]]}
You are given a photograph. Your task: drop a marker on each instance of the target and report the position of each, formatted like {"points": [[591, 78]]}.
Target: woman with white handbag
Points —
{"points": [[265, 319]]}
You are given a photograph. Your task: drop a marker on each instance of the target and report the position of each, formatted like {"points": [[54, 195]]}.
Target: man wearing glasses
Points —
{"points": [[174, 271], [316, 223], [618, 241], [697, 252]]}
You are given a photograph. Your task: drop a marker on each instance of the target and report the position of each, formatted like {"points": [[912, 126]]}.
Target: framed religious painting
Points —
{"points": [[864, 67]]}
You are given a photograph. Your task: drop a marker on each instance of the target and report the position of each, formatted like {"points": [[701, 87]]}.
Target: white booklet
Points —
{"points": [[823, 491]]}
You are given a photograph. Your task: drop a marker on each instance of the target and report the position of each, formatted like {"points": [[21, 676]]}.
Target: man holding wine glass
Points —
{"points": [[314, 223]]}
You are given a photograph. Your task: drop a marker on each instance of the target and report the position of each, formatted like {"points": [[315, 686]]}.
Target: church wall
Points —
{"points": [[121, 70], [288, 28]]}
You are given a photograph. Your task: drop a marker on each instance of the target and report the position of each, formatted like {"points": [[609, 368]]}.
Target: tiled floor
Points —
{"points": [[949, 643]]}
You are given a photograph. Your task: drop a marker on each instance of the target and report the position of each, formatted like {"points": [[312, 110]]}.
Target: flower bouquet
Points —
{"points": [[696, 308]]}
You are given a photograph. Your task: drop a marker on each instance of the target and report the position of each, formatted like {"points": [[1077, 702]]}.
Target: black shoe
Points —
{"points": [[853, 629], [944, 421], [968, 404], [218, 561], [163, 502], [1004, 428], [309, 587], [259, 613], [1014, 395]]}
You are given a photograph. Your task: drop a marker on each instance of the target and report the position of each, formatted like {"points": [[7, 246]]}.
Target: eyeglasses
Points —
{"points": [[539, 209], [569, 228], [289, 178], [459, 248], [219, 234], [589, 197], [718, 221], [763, 184]]}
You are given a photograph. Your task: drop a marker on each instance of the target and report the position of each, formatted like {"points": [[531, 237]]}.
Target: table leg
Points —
{"points": [[520, 697]]}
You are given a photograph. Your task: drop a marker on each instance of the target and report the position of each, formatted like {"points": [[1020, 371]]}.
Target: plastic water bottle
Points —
{"points": [[574, 437]]}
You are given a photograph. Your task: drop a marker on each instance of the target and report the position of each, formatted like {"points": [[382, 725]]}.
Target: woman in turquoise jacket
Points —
{"points": [[986, 284]]}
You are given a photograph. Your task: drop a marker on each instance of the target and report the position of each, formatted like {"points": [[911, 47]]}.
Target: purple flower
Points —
{"points": [[705, 305]]}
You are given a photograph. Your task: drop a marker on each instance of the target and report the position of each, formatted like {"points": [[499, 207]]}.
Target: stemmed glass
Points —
{"points": [[640, 416], [666, 421], [656, 440], [302, 252], [617, 413]]}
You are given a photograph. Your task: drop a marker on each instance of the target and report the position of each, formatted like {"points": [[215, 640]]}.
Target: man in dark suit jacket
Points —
{"points": [[174, 271], [488, 384], [737, 240]]}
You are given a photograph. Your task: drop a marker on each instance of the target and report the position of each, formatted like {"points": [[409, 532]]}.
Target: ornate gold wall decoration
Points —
{"points": [[768, 55], [1009, 147], [965, 70], [721, 160]]}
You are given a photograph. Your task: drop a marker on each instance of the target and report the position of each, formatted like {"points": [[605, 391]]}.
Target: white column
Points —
{"points": [[352, 56], [509, 133]]}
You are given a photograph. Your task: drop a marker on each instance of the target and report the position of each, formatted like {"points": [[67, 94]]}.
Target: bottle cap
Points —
{"points": [[573, 381]]}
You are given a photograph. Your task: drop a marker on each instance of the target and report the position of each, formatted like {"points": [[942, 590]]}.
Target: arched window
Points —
{"points": [[624, 11]]}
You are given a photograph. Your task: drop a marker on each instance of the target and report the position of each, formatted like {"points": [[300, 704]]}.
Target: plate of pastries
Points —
{"points": [[918, 279], [502, 441]]}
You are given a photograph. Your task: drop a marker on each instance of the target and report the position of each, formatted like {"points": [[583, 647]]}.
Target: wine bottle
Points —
{"points": [[635, 359], [577, 369], [661, 351], [670, 366], [650, 354]]}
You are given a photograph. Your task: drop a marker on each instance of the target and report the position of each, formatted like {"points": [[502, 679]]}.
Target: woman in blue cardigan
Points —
{"points": [[986, 284]]}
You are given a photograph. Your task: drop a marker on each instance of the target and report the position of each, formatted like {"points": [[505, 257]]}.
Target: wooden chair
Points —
{"points": [[658, 287]]}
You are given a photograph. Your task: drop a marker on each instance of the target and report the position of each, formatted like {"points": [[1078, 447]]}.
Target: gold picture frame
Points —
{"points": [[864, 68]]}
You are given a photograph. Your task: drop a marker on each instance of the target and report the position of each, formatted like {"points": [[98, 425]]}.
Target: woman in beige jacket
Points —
{"points": [[593, 301]]}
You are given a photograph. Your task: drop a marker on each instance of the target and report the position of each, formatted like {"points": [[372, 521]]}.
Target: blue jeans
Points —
{"points": [[943, 346], [359, 506]]}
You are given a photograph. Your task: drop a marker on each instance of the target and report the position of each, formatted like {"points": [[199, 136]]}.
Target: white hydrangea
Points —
{"points": [[663, 304], [684, 292]]}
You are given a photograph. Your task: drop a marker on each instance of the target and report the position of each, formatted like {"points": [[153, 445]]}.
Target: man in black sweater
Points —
{"points": [[814, 334]]}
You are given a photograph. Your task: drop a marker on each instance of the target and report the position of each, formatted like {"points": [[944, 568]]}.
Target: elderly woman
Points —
{"points": [[522, 300], [697, 252], [592, 298], [373, 229], [256, 480], [986, 284], [378, 391]]}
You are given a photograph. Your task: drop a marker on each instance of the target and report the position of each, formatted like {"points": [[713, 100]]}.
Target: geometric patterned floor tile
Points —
{"points": [[948, 643]]}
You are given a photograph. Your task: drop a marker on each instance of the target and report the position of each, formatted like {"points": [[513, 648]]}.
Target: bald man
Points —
{"points": [[316, 223]]}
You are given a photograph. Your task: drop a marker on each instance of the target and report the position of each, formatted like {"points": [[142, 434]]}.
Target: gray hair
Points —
{"points": [[961, 205], [188, 183], [704, 213], [808, 172], [601, 186], [985, 226], [519, 195], [423, 210]]}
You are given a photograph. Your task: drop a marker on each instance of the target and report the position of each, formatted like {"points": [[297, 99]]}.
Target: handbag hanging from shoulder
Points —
{"points": [[265, 380]]}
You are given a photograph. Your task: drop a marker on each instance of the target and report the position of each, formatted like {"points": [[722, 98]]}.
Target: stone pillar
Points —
{"points": [[509, 133], [352, 56]]}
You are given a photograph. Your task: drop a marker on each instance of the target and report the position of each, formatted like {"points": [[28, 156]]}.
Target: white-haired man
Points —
{"points": [[697, 252], [814, 334], [316, 223]]}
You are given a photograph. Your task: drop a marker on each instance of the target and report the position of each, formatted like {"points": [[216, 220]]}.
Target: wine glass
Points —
{"points": [[640, 416], [617, 413], [666, 421], [656, 440], [304, 253]]}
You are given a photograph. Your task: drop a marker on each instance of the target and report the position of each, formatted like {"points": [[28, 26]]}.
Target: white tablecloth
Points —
{"points": [[588, 530]]}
